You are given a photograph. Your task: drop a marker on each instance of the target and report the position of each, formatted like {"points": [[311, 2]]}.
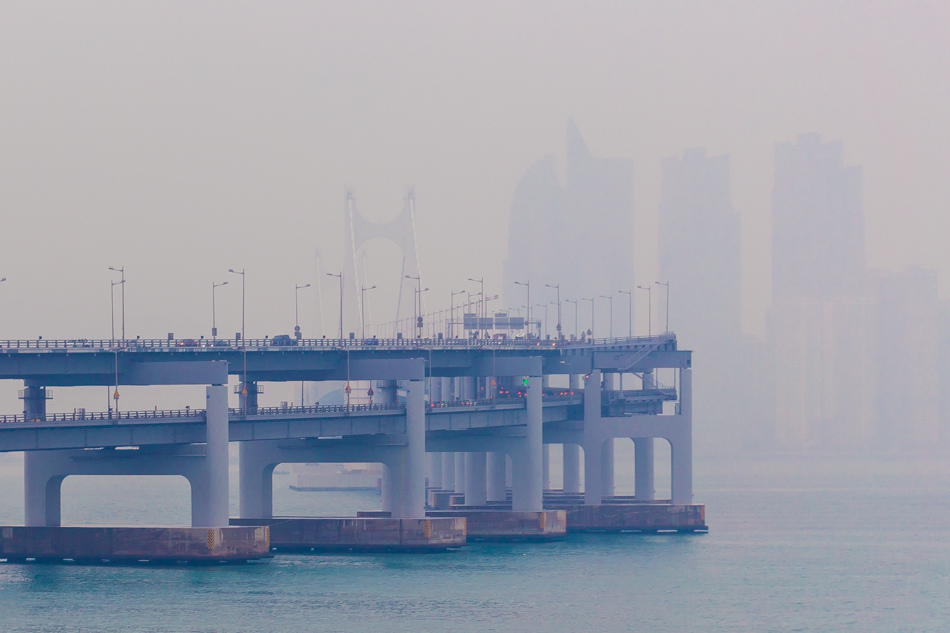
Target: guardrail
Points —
{"points": [[231, 345], [319, 408], [80, 416]]}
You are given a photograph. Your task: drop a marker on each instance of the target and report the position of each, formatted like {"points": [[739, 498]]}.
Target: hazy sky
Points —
{"points": [[180, 139]]}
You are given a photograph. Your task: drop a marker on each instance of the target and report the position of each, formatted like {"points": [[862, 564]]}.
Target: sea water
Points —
{"points": [[795, 544]]}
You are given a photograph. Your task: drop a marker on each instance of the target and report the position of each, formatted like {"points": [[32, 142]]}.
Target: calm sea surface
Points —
{"points": [[824, 544]]}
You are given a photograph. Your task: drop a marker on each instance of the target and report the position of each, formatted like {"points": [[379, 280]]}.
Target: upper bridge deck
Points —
{"points": [[78, 362]]}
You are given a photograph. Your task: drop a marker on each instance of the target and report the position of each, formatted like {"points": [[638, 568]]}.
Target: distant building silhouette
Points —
{"points": [[821, 326], [908, 329], [817, 222], [590, 217], [700, 247]]}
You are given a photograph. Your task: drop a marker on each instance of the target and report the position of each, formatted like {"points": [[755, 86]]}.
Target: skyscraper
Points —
{"points": [[817, 221], [700, 257], [590, 217], [821, 324]]}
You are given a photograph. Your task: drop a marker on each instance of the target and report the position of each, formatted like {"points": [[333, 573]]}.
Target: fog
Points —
{"points": [[180, 140]]}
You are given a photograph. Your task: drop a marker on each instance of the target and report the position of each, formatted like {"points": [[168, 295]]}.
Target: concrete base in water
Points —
{"points": [[134, 544], [362, 534], [505, 525], [637, 517]]}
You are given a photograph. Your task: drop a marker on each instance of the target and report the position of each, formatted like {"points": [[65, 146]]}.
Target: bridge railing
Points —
{"points": [[319, 408], [78, 416], [189, 344]]}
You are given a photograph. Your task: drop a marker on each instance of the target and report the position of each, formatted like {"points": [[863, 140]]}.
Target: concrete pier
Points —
{"points": [[637, 517], [506, 525], [362, 533], [134, 544]]}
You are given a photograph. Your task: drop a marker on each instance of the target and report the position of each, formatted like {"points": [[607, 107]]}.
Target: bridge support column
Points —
{"points": [[248, 398], [415, 475], [572, 468], [210, 495], [496, 467], [42, 488], [435, 470], [681, 444], [460, 473], [546, 467], [385, 488], [607, 468], [644, 469], [256, 477], [41, 491], [593, 445], [448, 471], [475, 476], [528, 494]]}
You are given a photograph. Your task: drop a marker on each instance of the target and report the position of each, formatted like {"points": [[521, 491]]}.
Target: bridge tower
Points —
{"points": [[401, 231]]}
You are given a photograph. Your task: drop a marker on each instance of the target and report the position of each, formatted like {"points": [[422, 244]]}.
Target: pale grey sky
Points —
{"points": [[180, 139]]}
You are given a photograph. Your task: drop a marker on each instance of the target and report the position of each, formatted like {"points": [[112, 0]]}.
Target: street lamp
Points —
{"points": [[629, 294], [667, 284], [417, 305], [649, 290], [591, 329], [363, 290], [214, 323], [610, 298], [112, 304], [340, 277], [574, 301], [297, 289], [243, 335], [480, 313], [452, 311], [557, 287], [527, 303], [122, 271]]}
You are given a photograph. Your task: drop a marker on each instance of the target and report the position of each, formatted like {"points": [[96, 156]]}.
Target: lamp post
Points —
{"points": [[574, 301], [214, 323], [363, 290], [649, 290], [590, 330], [112, 305], [557, 287], [629, 294], [417, 305], [479, 314], [340, 277], [452, 311], [527, 303], [610, 298], [667, 284], [243, 335], [122, 272], [486, 300], [297, 289]]}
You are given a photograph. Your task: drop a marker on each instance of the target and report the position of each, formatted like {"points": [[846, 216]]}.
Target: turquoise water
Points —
{"points": [[824, 545]]}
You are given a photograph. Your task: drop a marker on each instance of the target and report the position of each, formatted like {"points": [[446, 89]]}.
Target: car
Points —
{"points": [[371, 341], [282, 340], [186, 342]]}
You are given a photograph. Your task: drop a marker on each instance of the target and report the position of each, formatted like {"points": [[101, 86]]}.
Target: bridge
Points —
{"points": [[450, 418]]}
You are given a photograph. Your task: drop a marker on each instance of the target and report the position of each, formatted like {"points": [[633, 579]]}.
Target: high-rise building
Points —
{"points": [[817, 221], [821, 326], [908, 397], [700, 245], [578, 235]]}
